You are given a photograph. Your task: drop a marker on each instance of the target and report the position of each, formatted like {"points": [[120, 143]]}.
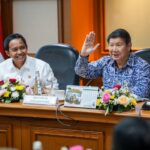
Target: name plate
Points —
{"points": [[40, 100]]}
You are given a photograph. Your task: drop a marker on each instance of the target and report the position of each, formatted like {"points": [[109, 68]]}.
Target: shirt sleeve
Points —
{"points": [[90, 70], [48, 77], [1, 58], [142, 85]]}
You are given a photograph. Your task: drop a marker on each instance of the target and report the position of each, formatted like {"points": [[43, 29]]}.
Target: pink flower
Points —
{"points": [[1, 82], [106, 97], [77, 147], [12, 80], [2, 92], [117, 86]]}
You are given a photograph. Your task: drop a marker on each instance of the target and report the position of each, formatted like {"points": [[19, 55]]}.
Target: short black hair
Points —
{"points": [[132, 134], [12, 37], [122, 33]]}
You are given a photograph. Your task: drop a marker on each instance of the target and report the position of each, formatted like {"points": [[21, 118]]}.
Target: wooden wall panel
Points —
{"points": [[53, 135], [5, 135], [6, 13], [64, 21], [89, 127], [56, 138], [10, 133]]}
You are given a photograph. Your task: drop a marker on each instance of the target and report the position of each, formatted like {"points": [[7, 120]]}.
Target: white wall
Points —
{"points": [[133, 15], [37, 21]]}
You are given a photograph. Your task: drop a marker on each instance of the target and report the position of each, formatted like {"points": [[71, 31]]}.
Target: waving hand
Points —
{"points": [[88, 45]]}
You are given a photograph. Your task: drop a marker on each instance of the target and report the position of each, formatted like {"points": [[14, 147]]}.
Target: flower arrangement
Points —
{"points": [[11, 91], [118, 99]]}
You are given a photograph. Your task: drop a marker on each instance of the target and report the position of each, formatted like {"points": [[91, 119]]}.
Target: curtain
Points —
{"points": [[1, 41]]}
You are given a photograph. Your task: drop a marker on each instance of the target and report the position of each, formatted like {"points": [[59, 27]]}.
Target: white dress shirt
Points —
{"points": [[26, 74]]}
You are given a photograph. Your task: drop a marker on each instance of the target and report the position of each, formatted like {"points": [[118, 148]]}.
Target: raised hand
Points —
{"points": [[88, 45]]}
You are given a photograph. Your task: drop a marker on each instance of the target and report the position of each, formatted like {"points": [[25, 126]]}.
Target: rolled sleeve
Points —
{"points": [[90, 70]]}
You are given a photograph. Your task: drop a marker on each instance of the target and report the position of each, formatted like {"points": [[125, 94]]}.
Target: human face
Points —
{"points": [[18, 52], [119, 50]]}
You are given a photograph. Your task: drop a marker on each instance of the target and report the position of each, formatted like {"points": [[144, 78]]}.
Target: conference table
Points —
{"points": [[22, 124]]}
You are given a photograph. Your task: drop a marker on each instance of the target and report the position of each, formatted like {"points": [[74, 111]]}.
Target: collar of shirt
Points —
{"points": [[130, 61], [25, 66]]}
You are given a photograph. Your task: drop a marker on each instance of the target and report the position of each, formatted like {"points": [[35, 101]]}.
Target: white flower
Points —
{"points": [[15, 94], [4, 86], [116, 101], [123, 100], [124, 90], [12, 88]]}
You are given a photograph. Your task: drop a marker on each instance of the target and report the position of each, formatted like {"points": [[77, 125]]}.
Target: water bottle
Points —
{"points": [[37, 86]]}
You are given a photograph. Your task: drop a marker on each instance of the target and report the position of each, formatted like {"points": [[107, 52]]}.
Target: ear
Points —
{"points": [[129, 46], [7, 53]]}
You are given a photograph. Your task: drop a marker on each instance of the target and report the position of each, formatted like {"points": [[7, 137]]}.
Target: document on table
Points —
{"points": [[81, 96]]}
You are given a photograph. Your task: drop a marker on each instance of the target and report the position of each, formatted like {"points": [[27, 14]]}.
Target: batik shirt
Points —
{"points": [[136, 73]]}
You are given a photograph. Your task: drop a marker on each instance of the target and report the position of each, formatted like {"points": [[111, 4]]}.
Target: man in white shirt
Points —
{"points": [[23, 67]]}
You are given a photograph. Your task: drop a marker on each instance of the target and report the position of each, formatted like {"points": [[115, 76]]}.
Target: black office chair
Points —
{"points": [[62, 59], [144, 53]]}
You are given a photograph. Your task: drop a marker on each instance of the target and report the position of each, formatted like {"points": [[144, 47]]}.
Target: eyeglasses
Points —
{"points": [[21, 48]]}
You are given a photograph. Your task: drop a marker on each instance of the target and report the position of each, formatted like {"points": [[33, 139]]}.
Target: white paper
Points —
{"points": [[81, 96], [40, 100]]}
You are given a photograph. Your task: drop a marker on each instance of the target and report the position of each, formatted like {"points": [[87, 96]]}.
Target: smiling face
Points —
{"points": [[17, 51], [119, 50]]}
